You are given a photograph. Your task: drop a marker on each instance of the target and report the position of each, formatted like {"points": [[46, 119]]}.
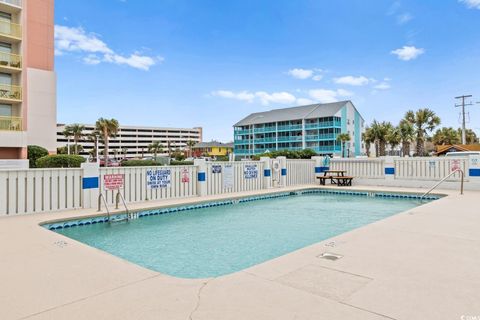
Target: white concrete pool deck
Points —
{"points": [[421, 264]]}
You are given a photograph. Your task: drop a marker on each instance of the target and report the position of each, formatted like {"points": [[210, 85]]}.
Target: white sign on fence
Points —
{"points": [[228, 176], [250, 171], [216, 168], [455, 165], [113, 181], [185, 176], [158, 178]]}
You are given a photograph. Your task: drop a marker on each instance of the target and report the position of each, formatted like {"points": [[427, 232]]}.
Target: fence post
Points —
{"points": [[267, 172], [90, 184], [389, 168], [283, 170], [320, 166], [201, 176]]}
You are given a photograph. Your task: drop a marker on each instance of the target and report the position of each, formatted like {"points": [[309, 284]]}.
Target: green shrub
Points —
{"points": [[60, 161], [289, 154], [34, 153], [222, 158], [140, 163], [181, 163]]}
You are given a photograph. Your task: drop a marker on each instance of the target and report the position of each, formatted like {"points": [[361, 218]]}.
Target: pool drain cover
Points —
{"points": [[330, 256]]}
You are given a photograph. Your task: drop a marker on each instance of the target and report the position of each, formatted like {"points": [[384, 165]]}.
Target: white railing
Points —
{"points": [[216, 181], [300, 172], [40, 190], [360, 168], [429, 168], [136, 190]]}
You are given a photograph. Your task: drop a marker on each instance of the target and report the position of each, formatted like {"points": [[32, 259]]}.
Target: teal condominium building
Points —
{"points": [[314, 127]]}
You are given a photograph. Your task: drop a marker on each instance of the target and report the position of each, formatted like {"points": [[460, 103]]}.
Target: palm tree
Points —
{"points": [[190, 144], [155, 147], [368, 139], [423, 121], [446, 136], [380, 131], [470, 135], [68, 135], [107, 128], [407, 136], [93, 136], [75, 130], [343, 138], [393, 138]]}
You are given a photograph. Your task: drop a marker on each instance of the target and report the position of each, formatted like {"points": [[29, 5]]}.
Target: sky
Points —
{"points": [[210, 63]]}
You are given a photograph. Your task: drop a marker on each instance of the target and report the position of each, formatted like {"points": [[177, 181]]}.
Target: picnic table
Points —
{"points": [[337, 177]]}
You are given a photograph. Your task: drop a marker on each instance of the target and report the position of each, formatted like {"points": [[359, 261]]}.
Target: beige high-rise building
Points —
{"points": [[27, 77]]}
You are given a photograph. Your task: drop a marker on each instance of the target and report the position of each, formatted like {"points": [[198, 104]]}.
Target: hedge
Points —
{"points": [[289, 154], [60, 161], [181, 163], [140, 163], [34, 153]]}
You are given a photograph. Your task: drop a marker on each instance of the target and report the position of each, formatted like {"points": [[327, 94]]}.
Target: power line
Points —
{"points": [[463, 105]]}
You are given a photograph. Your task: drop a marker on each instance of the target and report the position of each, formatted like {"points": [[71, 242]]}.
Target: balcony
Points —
{"points": [[10, 93], [10, 31], [10, 6], [10, 62], [11, 124]]}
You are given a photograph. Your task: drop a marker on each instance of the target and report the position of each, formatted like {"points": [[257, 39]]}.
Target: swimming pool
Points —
{"points": [[209, 240]]}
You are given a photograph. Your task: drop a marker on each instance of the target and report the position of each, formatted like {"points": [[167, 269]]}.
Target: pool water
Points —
{"points": [[215, 241]]}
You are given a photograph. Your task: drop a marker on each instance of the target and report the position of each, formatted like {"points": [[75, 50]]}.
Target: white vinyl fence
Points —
{"points": [[227, 177], [40, 190], [300, 172], [361, 168], [428, 168], [136, 190]]}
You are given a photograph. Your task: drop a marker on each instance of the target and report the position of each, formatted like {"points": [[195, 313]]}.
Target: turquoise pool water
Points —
{"points": [[215, 241]]}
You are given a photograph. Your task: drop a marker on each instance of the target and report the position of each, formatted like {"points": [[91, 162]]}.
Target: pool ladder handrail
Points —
{"points": [[445, 178], [100, 197], [117, 200]]}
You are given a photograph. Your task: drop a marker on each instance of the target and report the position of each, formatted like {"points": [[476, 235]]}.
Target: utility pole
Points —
{"points": [[463, 105]]}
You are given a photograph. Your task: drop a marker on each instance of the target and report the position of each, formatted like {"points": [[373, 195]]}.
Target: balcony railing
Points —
{"points": [[10, 92], [10, 124], [16, 3], [10, 29], [10, 60]]}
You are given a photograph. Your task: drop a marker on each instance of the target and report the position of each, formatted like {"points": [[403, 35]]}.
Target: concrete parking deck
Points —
{"points": [[420, 264]]}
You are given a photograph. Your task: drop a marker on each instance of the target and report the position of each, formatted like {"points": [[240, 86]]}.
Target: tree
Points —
{"points": [[446, 136], [423, 121], [393, 138], [155, 147], [190, 144], [380, 131], [407, 136], [107, 128], [94, 136], [368, 139], [470, 135], [343, 138], [76, 131], [34, 153]]}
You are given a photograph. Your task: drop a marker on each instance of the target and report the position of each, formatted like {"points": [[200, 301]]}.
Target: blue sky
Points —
{"points": [[210, 63]]}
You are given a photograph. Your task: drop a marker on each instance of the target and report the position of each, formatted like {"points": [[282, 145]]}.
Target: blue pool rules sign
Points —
{"points": [[158, 178], [250, 171]]}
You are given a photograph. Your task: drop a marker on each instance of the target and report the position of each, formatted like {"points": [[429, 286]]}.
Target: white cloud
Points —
{"points": [[352, 81], [299, 73], [326, 96], [243, 95], [382, 86], [472, 4], [71, 39], [275, 97], [404, 18], [407, 53]]}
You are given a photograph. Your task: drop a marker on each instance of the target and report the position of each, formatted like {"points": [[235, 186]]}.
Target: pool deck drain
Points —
{"points": [[396, 268]]}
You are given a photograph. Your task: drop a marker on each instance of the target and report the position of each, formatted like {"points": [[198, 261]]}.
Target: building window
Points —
{"points": [[5, 110]]}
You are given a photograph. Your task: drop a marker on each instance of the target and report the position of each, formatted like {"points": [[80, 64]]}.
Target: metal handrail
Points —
{"points": [[100, 197], [118, 197], [445, 178]]}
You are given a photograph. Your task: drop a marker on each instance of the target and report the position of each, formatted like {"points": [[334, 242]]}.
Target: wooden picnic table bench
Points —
{"points": [[343, 181]]}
